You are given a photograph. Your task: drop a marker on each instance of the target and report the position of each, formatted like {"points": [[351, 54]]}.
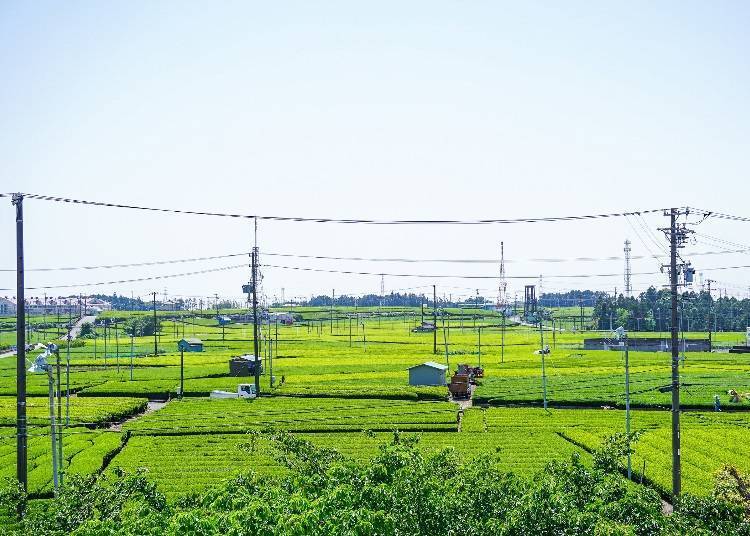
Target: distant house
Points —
{"points": [[190, 345], [429, 373], [7, 307]]}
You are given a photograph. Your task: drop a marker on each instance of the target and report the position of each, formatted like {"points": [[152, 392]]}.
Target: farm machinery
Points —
{"points": [[244, 390], [463, 379]]}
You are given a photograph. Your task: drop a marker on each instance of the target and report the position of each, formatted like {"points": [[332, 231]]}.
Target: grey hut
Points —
{"points": [[429, 373]]}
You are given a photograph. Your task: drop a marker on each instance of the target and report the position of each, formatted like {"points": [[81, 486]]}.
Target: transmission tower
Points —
{"points": [[382, 285], [502, 290], [628, 284]]}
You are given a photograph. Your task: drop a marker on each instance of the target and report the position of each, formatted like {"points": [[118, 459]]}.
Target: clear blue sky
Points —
{"points": [[385, 110]]}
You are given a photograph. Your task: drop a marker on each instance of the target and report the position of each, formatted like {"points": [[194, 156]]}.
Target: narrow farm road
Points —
{"points": [[76, 329]]}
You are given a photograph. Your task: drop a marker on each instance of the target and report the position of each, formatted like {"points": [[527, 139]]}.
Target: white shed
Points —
{"points": [[429, 373]]}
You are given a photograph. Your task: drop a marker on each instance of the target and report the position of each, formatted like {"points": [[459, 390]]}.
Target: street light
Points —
{"points": [[40, 365], [622, 335]]}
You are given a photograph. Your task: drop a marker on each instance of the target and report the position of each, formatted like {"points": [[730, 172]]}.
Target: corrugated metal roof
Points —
{"points": [[431, 364], [192, 341]]}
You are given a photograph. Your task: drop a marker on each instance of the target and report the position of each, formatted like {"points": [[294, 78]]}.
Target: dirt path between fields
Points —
{"points": [[151, 406]]}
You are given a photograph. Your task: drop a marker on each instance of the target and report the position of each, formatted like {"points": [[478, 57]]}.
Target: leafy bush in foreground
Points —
{"points": [[400, 492]]}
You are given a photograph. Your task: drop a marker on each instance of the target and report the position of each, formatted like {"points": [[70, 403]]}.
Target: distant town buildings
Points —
{"points": [[71, 305]]}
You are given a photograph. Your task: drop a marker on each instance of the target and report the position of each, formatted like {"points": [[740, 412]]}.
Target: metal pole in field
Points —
{"points": [[59, 413], [53, 427], [502, 341], [117, 348], [627, 406], [364, 337], [67, 384], [131, 354], [21, 437], [350, 330], [156, 348], [276, 344], [445, 342], [544, 373], [333, 298], [434, 319], [182, 371], [479, 331], [676, 469], [709, 313]]}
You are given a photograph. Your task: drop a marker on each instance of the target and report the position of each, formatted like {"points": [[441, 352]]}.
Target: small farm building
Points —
{"points": [[190, 345], [429, 373]]}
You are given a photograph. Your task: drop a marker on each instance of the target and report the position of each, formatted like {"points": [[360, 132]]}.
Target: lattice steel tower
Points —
{"points": [[502, 290], [628, 284]]}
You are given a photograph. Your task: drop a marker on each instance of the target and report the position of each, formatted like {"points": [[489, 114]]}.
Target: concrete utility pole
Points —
{"points": [[256, 348], [677, 234], [676, 469], [710, 303], [21, 437]]}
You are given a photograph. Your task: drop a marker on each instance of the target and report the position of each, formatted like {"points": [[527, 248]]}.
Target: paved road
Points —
{"points": [[76, 329]]}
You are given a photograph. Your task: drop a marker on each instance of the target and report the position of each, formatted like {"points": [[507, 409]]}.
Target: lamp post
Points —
{"points": [[40, 365]]}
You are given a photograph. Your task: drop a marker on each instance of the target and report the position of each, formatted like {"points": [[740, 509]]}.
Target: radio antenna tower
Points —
{"points": [[502, 289], [628, 284]]}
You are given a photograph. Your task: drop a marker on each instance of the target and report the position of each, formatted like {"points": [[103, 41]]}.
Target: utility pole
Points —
{"points": [[677, 234], [156, 349], [255, 316], [182, 372], [676, 469], [627, 403], [434, 319], [21, 437], [333, 298]]}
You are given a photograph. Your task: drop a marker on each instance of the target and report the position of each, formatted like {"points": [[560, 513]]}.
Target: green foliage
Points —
{"points": [[400, 492], [87, 330], [142, 326]]}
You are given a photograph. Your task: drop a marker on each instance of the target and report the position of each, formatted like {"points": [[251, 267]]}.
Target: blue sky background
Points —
{"points": [[378, 110]]}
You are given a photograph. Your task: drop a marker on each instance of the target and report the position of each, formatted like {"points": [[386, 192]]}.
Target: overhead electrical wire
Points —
{"points": [[363, 259], [301, 219], [136, 280]]}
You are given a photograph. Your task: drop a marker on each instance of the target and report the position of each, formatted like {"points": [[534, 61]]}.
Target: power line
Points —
{"points": [[152, 278], [336, 220]]}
